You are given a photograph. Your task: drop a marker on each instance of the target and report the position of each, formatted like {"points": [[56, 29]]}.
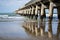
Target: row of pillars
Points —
{"points": [[34, 10]]}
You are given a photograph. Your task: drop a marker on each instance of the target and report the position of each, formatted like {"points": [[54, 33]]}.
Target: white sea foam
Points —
{"points": [[12, 18], [15, 17], [8, 17], [3, 16]]}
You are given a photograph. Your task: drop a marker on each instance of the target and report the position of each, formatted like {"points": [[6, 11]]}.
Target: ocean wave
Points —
{"points": [[12, 18], [6, 16], [15, 17], [3, 16]]}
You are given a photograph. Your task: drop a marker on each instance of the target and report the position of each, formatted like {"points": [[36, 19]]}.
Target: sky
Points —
{"points": [[7, 6]]}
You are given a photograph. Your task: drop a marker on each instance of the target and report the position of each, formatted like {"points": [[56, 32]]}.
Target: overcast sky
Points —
{"points": [[11, 5], [7, 6]]}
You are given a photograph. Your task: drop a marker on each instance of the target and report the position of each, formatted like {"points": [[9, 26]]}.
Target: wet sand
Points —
{"points": [[49, 29], [14, 30]]}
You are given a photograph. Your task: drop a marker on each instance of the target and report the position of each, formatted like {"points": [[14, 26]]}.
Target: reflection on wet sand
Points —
{"points": [[58, 31], [32, 27], [42, 27], [50, 28]]}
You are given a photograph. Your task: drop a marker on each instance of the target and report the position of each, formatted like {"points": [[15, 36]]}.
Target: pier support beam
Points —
{"points": [[58, 10], [29, 11], [42, 11], [32, 10], [36, 10], [51, 10], [25, 12]]}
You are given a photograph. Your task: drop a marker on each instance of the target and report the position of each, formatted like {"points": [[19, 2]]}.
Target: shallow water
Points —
{"points": [[49, 29], [11, 28]]}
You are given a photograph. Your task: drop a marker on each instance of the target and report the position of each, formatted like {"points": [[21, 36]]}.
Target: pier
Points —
{"points": [[32, 8], [35, 8]]}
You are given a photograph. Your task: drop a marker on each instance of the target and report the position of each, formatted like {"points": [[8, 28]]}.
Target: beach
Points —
{"points": [[11, 28]]}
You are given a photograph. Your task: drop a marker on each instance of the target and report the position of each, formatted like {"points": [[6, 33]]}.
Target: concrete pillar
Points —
{"points": [[50, 28], [29, 11], [32, 10], [25, 12], [51, 10], [43, 11], [22, 12], [36, 10], [58, 10]]}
